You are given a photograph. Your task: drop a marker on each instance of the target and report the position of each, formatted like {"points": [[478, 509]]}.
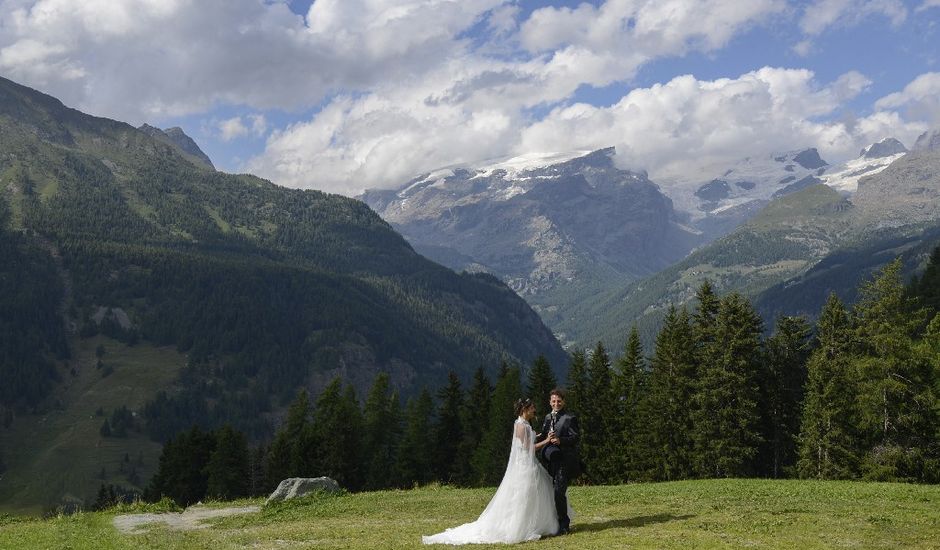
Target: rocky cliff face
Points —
{"points": [[556, 228], [177, 137], [540, 222]]}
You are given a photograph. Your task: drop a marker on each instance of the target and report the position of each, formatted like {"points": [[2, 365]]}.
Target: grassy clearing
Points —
{"points": [[58, 455], [688, 514]]}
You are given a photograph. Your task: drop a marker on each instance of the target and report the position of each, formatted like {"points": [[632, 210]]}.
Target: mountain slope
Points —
{"points": [[264, 289], [817, 234]]}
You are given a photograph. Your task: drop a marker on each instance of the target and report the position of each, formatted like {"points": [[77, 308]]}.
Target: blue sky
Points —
{"points": [[343, 95]]}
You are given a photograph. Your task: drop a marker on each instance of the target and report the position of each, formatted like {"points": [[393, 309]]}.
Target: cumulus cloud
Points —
{"points": [[143, 59], [237, 127], [403, 86], [634, 32], [676, 131], [824, 14], [920, 99]]}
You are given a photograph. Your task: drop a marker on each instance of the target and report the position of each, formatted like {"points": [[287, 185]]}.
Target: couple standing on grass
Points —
{"points": [[531, 501]]}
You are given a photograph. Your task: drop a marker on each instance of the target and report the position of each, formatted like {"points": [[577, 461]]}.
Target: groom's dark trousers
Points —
{"points": [[556, 467]]}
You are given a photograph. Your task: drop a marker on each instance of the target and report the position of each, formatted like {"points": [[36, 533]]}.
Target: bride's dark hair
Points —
{"points": [[521, 404]]}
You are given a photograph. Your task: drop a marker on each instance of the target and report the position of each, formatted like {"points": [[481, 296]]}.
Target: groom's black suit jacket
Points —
{"points": [[569, 435]]}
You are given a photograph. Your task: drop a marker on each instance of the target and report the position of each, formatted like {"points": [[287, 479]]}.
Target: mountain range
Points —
{"points": [[595, 248], [554, 228]]}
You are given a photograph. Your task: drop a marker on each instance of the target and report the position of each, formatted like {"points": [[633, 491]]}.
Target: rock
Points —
{"points": [[294, 487], [928, 141], [810, 159], [884, 148]]}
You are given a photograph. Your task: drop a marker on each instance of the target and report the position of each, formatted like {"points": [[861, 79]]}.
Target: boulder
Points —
{"points": [[294, 487]]}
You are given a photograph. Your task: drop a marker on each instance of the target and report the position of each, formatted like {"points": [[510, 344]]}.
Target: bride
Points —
{"points": [[523, 507]]}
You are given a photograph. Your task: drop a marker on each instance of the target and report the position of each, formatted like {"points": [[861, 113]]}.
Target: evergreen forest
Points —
{"points": [[854, 396]]}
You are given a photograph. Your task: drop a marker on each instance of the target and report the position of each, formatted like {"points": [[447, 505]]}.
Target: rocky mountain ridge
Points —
{"points": [[553, 227]]}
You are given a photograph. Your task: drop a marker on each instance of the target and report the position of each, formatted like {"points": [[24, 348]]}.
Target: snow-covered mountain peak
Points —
{"points": [[884, 148], [871, 160]]}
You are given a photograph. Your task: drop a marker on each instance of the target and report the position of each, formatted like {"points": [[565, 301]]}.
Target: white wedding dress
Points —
{"points": [[523, 507]]}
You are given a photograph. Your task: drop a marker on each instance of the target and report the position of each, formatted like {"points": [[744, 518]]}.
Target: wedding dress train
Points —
{"points": [[523, 507]]}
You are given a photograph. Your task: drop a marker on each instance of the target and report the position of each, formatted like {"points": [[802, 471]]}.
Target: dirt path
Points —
{"points": [[190, 518]]}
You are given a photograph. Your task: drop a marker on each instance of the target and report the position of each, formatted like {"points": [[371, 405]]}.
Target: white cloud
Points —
{"points": [[920, 99], [678, 129], [673, 130], [824, 14], [927, 4], [803, 48], [634, 32], [140, 60], [232, 128]]}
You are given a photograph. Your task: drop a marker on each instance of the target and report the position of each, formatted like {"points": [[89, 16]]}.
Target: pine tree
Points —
{"points": [[228, 468], [577, 382], [927, 287], [492, 454], [376, 432], [897, 403], [335, 435], [784, 376], [704, 323], [541, 381], [448, 430], [598, 448], [396, 429], [669, 447], [257, 480], [828, 442], [181, 469], [627, 426], [727, 418], [415, 460], [474, 420], [285, 456]]}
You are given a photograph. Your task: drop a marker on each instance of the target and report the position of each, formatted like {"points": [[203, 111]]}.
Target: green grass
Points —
{"points": [[58, 455], [689, 514]]}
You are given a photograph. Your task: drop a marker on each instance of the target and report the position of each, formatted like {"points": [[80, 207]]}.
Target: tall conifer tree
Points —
{"points": [[628, 425], [828, 444], [335, 432], [727, 418], [896, 396], [577, 392], [475, 420], [541, 381], [783, 379], [416, 456], [668, 402], [228, 472], [448, 430], [491, 456], [379, 457], [599, 449], [285, 456]]}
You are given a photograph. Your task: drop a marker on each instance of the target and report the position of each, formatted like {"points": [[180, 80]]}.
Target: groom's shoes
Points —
{"points": [[562, 531]]}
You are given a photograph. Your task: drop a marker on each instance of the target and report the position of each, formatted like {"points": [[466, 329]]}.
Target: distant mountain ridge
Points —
{"points": [[773, 257], [177, 137], [554, 227]]}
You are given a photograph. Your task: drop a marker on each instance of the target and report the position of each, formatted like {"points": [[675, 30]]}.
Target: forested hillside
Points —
{"points": [[107, 230]]}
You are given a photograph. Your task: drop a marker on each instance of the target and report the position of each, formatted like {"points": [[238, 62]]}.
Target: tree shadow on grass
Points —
{"points": [[638, 521]]}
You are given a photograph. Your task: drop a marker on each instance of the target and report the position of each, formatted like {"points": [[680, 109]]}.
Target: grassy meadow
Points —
{"points": [[686, 514], [55, 454]]}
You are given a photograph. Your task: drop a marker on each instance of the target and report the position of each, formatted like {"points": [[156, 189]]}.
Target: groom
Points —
{"points": [[560, 455]]}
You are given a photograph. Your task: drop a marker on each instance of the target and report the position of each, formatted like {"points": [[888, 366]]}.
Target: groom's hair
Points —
{"points": [[559, 392]]}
